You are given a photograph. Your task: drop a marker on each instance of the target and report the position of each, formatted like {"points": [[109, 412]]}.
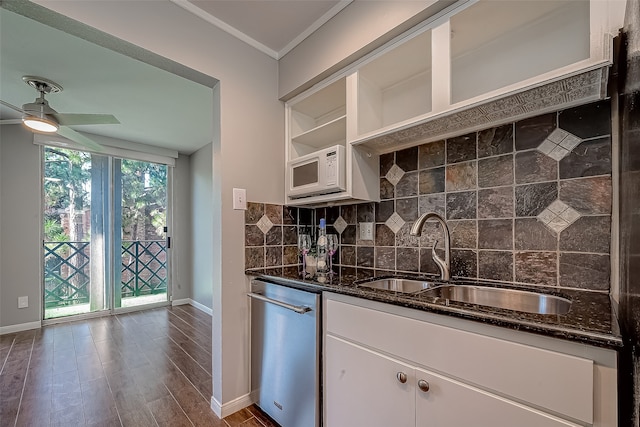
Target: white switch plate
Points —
{"points": [[366, 231], [23, 302], [239, 199]]}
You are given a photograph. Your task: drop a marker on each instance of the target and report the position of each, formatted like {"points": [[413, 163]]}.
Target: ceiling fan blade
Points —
{"points": [[13, 107], [79, 138], [10, 121], [86, 119]]}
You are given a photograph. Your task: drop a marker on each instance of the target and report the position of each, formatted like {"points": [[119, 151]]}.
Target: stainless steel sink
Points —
{"points": [[511, 299], [405, 286]]}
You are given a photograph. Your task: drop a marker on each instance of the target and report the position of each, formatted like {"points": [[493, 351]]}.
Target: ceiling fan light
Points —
{"points": [[40, 124]]}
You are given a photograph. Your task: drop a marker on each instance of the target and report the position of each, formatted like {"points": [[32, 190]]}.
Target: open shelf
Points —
{"points": [[395, 86], [327, 134], [496, 44]]}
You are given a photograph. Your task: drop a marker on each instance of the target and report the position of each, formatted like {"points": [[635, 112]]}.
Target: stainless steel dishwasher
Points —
{"points": [[285, 353]]}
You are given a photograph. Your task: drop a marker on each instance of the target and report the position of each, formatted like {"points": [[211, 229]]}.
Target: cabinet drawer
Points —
{"points": [[549, 380]]}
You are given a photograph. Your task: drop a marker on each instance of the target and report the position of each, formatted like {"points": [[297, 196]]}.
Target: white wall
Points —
{"points": [[248, 151], [20, 238], [181, 233], [201, 189], [357, 30]]}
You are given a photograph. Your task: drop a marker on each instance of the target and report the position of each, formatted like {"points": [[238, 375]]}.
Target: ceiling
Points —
{"points": [[100, 80]]}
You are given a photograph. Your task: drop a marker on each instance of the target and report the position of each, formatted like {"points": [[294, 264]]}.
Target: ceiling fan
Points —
{"points": [[38, 116]]}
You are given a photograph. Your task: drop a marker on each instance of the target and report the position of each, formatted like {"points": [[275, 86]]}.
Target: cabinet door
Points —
{"points": [[361, 388], [451, 403]]}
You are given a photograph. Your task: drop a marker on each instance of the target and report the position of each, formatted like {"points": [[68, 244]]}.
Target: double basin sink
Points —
{"points": [[510, 299]]}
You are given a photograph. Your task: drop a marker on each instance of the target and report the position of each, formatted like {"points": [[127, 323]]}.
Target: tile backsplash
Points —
{"points": [[526, 202]]}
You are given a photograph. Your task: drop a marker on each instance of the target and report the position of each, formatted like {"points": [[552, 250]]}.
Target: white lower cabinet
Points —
{"points": [[391, 366]]}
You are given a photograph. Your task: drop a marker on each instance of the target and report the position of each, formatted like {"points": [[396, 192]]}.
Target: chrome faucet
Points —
{"points": [[443, 264]]}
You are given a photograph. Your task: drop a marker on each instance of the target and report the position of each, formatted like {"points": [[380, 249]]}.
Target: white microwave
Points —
{"points": [[321, 172]]}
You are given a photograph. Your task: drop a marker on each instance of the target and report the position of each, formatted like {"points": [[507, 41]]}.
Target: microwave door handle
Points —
{"points": [[300, 309]]}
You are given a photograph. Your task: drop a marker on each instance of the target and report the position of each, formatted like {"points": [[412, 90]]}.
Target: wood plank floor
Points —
{"points": [[147, 368]]}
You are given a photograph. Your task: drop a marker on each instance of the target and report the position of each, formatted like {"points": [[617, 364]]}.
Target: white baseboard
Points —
{"points": [[231, 407], [20, 327], [201, 307], [193, 303]]}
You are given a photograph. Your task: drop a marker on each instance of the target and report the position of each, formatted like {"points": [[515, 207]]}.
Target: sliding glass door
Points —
{"points": [[105, 230]]}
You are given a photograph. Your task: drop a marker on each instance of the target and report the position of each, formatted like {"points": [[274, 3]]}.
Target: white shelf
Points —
{"points": [[325, 135]]}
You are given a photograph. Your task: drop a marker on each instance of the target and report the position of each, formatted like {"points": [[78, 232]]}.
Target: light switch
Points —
{"points": [[239, 199], [366, 231], [23, 302]]}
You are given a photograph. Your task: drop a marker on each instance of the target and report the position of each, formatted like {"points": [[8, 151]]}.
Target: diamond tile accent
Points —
{"points": [[558, 216], [395, 174], [559, 143], [264, 224], [395, 222], [340, 224]]}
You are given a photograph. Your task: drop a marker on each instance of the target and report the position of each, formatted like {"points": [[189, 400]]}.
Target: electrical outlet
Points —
{"points": [[366, 231], [23, 302], [239, 199]]}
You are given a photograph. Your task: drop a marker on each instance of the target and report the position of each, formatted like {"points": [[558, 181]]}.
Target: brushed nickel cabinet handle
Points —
{"points": [[402, 377], [423, 385]]}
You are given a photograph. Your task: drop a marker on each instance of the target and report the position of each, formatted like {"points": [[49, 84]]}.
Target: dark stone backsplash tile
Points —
{"points": [[305, 216], [274, 213], [432, 203], [253, 213], [431, 232], [407, 208], [365, 273], [384, 236], [532, 235], [254, 257], [585, 271], [385, 258], [404, 237], [387, 190], [289, 215], [495, 202], [463, 234], [534, 198], [464, 263], [495, 171], [366, 212], [290, 235], [460, 176], [384, 210], [590, 158], [587, 121], [253, 236], [495, 234], [407, 159], [348, 255], [332, 213], [533, 166], [348, 236], [531, 132], [274, 236], [589, 196], [407, 259], [495, 141], [349, 213], [496, 265], [431, 154], [461, 148], [290, 255], [365, 256], [461, 205], [537, 268], [432, 181], [427, 264], [386, 162], [273, 256], [408, 185], [587, 234]]}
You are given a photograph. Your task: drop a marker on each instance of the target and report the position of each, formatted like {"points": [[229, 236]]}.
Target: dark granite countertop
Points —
{"points": [[591, 319]]}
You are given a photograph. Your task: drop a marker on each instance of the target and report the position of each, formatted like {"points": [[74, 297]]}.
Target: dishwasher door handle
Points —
{"points": [[300, 309]]}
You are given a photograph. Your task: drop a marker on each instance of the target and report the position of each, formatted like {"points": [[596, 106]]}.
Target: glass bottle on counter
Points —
{"points": [[321, 252]]}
